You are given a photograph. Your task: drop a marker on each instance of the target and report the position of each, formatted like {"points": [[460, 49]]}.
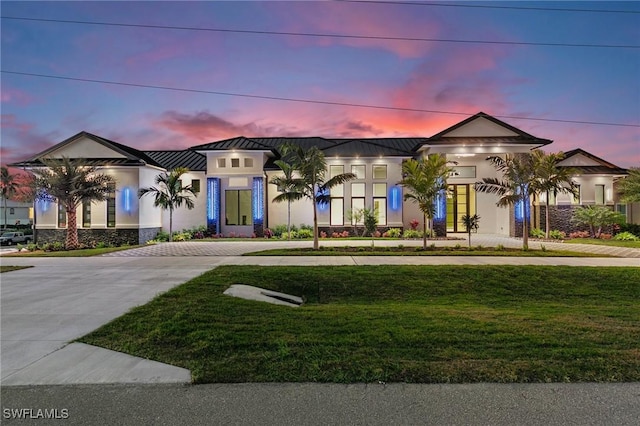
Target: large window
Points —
{"points": [[380, 201], [195, 184], [86, 214], [238, 207], [359, 171], [62, 216], [357, 200], [599, 194], [337, 211], [576, 198], [111, 206], [379, 171]]}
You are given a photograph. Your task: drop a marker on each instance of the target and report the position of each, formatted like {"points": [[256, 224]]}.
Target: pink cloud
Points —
{"points": [[16, 97], [18, 135]]}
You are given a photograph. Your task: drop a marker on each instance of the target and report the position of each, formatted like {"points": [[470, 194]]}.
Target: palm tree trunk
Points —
{"points": [[170, 225], [71, 242], [525, 226], [316, 244], [546, 219], [424, 232], [289, 220]]}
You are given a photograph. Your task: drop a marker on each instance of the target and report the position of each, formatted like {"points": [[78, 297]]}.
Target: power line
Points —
{"points": [[478, 6], [324, 35], [309, 101]]}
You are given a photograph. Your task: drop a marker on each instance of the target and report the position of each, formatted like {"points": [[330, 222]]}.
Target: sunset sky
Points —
{"points": [[518, 77]]}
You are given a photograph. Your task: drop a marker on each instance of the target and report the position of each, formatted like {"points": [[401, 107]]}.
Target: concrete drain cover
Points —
{"points": [[250, 292]]}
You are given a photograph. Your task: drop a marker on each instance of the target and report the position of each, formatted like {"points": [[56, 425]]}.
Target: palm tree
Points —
{"points": [[518, 181], [425, 179], [286, 184], [9, 187], [311, 168], [552, 179], [629, 187], [169, 193], [70, 183], [470, 223]]}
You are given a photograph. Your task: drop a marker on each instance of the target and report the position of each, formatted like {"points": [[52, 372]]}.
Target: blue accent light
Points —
{"points": [[126, 199], [213, 204], [440, 206], [521, 210], [323, 206], [395, 198], [258, 200], [44, 205]]}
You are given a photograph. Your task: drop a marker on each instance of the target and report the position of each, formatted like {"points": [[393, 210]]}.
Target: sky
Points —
{"points": [[218, 73]]}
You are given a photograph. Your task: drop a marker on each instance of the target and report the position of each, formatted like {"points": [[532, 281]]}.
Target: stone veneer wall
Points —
{"points": [[560, 219], [91, 237]]}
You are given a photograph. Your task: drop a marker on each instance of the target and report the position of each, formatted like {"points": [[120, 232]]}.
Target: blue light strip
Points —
{"points": [[258, 200], [213, 204], [440, 205], [395, 198], [126, 199]]}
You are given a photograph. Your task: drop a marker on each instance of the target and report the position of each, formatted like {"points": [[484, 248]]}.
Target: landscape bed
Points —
{"points": [[424, 324]]}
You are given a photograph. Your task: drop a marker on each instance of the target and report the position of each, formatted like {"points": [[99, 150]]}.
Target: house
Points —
{"points": [[16, 213], [233, 177]]}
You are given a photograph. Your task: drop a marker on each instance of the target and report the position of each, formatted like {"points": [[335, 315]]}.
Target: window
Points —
{"points": [[357, 205], [62, 216], [222, 163], [359, 171], [599, 194], [380, 210], [357, 190], [463, 172], [380, 171], [357, 200], [622, 209], [338, 190], [86, 214], [238, 207], [111, 206], [337, 211], [195, 184], [12, 210], [235, 162], [460, 201], [248, 162], [576, 198], [380, 190]]}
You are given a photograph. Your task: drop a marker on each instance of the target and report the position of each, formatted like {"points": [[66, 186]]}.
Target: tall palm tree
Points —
{"points": [[425, 179], [518, 182], [549, 178], [311, 168], [9, 187], [286, 184], [70, 183], [170, 194]]}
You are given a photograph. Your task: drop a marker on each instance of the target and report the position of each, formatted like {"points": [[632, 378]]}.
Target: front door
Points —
{"points": [[461, 200]]}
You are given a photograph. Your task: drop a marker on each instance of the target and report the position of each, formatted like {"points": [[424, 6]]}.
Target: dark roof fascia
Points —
{"points": [[451, 140], [97, 162], [481, 114], [373, 142]]}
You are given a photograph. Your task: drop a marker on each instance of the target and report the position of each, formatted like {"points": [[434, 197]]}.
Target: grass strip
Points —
{"points": [[425, 324], [70, 253], [419, 251], [9, 268]]}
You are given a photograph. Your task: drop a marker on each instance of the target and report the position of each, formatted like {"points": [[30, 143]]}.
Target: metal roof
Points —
{"points": [[171, 159]]}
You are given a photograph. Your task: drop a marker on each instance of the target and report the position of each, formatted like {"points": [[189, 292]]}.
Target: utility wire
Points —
{"points": [[478, 6], [344, 36], [309, 101]]}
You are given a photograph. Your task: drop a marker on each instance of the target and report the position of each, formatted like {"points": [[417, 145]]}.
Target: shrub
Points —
{"points": [[151, 242], [32, 247], [538, 233], [414, 224], [181, 236], [305, 233], [393, 233], [604, 236], [102, 245], [377, 234], [499, 247], [579, 234], [596, 218], [307, 227], [162, 236], [557, 235], [57, 246], [411, 233], [626, 236], [268, 233], [632, 228]]}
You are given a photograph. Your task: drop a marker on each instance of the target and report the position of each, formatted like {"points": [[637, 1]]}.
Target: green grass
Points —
{"points": [[418, 251], [9, 268], [70, 253], [613, 243], [426, 324]]}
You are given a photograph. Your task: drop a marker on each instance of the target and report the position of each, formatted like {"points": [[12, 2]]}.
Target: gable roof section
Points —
{"points": [[513, 135], [127, 156], [169, 160], [373, 147], [601, 166]]}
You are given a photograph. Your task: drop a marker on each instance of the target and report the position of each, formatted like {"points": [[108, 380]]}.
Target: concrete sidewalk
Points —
{"points": [[62, 299]]}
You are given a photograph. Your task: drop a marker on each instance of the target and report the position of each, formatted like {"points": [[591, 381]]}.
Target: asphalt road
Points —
{"points": [[326, 404]]}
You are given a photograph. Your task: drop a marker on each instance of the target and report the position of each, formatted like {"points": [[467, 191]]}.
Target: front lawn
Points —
{"points": [[426, 324], [70, 253], [614, 243], [418, 251]]}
